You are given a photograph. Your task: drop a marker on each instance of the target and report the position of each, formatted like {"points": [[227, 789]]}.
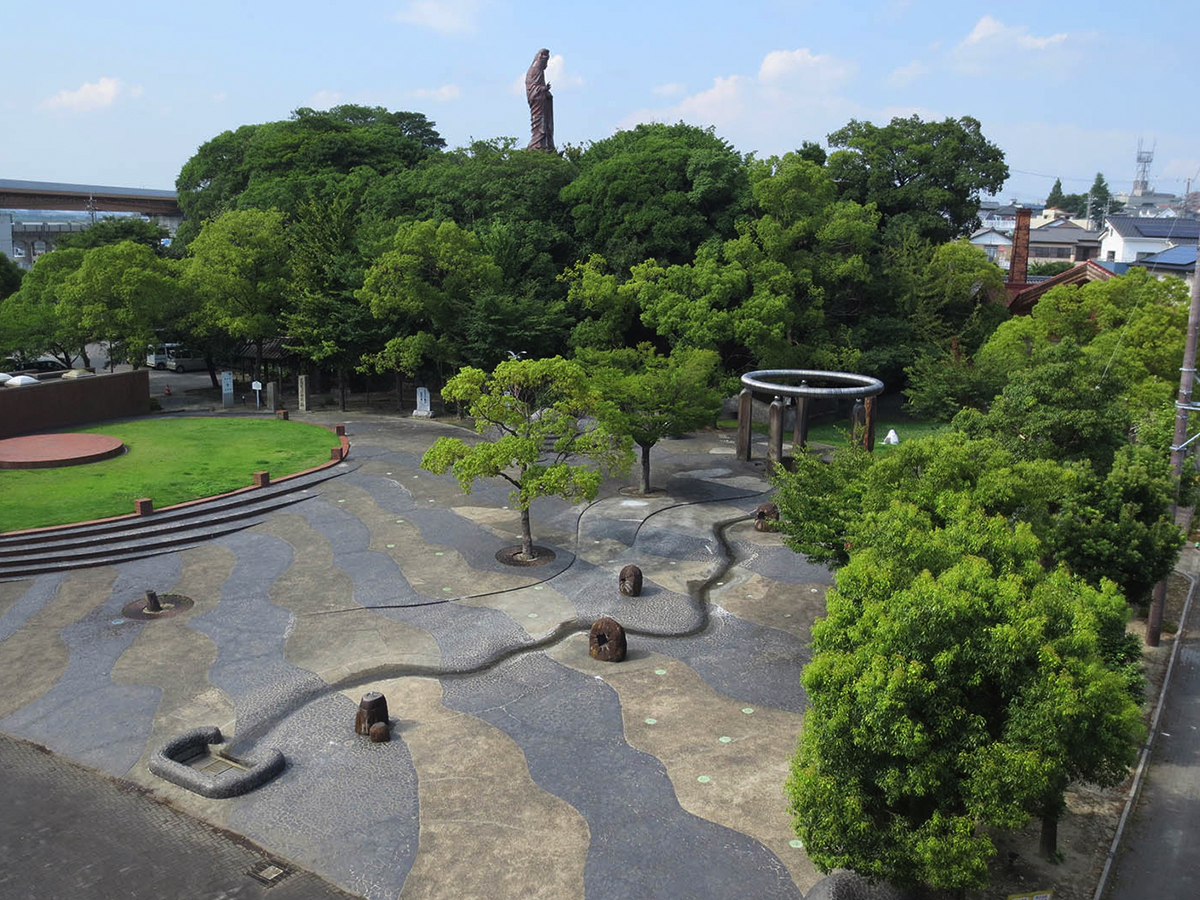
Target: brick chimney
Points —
{"points": [[1018, 268]]}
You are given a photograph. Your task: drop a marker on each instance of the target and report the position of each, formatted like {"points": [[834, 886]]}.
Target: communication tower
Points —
{"points": [[1141, 181]]}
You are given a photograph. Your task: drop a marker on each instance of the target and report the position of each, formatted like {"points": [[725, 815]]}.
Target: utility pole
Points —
{"points": [[1183, 407]]}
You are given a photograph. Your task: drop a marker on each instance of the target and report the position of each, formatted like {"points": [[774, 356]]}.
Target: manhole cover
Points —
{"points": [[269, 873]]}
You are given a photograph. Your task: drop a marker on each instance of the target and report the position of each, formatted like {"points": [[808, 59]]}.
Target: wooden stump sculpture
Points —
{"points": [[372, 709], [631, 581], [606, 642], [765, 514]]}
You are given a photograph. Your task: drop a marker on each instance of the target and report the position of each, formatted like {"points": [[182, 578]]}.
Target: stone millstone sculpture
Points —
{"points": [[631, 581], [541, 104], [372, 708], [606, 642], [765, 514]]}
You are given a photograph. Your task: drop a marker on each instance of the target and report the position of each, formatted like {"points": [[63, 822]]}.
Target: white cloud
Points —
{"points": [[89, 95], [443, 16], [669, 90], [440, 94], [991, 43], [325, 99], [136, 91], [802, 65], [906, 75]]}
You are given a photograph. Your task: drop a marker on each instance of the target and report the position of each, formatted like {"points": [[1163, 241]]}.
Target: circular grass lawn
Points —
{"points": [[168, 460]]}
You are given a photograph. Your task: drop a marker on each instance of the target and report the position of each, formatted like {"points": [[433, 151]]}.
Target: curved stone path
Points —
{"points": [[518, 766]]}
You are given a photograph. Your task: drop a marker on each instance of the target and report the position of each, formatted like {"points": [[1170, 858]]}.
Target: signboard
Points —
{"points": [[256, 385], [423, 409], [227, 389]]}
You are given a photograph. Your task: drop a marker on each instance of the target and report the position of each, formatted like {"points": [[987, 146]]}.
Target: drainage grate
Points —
{"points": [[269, 873]]}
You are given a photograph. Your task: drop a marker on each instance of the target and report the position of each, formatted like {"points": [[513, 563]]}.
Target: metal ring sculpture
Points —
{"points": [[857, 385], [847, 384]]}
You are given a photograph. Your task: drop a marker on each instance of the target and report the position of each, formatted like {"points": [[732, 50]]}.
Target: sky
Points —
{"points": [[123, 93]]}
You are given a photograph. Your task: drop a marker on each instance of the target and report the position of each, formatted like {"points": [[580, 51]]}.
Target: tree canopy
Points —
{"points": [[535, 413], [922, 175]]}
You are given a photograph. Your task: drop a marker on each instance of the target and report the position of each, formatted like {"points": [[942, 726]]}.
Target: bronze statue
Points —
{"points": [[541, 104]]}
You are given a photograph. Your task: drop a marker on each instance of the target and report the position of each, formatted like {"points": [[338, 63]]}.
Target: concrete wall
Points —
{"points": [[57, 404]]}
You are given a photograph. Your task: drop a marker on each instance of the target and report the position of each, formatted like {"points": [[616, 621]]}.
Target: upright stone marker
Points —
{"points": [[273, 399], [423, 410], [227, 389], [303, 391]]}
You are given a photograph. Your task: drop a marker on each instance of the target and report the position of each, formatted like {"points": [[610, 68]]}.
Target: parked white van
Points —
{"points": [[185, 360], [156, 355]]}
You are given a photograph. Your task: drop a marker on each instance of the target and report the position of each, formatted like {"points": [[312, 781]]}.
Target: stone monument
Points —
{"points": [[423, 410], [541, 104]]}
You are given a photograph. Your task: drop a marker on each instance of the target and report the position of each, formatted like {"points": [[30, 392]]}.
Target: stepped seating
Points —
{"points": [[106, 542]]}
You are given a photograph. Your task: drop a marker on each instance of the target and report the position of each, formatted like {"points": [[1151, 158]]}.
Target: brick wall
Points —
{"points": [[58, 404]]}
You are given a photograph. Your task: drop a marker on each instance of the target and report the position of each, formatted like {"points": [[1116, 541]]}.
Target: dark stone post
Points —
{"points": [[775, 432], [800, 428], [745, 415], [869, 432]]}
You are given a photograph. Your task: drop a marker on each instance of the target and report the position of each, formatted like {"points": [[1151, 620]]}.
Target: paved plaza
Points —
{"points": [[518, 765]]}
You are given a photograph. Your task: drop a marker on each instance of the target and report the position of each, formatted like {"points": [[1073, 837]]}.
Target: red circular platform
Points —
{"points": [[47, 451]]}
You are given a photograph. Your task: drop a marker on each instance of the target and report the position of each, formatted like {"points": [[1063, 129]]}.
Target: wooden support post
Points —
{"points": [[745, 415], [869, 431], [775, 432]]}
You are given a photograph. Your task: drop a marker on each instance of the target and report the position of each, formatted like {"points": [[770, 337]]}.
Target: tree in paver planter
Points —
{"points": [[536, 413], [651, 397]]}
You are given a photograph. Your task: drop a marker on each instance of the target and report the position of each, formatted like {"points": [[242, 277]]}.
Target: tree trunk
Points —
{"points": [[1049, 842], [645, 488], [342, 385], [526, 535]]}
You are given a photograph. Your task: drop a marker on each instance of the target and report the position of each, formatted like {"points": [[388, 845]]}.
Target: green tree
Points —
{"points": [[1103, 203], [119, 294], [656, 191], [113, 230], [1050, 269], [926, 175], [238, 267], [955, 687], [536, 411], [10, 276], [426, 285], [1055, 197], [650, 397], [31, 320]]}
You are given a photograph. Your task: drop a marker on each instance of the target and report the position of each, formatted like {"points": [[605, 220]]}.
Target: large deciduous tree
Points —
{"points": [[656, 191], [924, 175], [239, 268], [536, 414], [650, 396]]}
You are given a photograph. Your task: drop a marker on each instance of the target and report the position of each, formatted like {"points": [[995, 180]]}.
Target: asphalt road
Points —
{"points": [[1157, 858]]}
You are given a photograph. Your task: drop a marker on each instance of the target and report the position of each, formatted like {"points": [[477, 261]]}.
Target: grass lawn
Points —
{"points": [[168, 460]]}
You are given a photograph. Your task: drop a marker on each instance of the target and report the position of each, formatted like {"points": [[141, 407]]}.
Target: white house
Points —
{"points": [[996, 244], [1130, 238]]}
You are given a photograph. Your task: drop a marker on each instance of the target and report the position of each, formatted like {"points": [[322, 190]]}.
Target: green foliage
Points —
{"points": [[1055, 197], [10, 276], [954, 684], [113, 230], [925, 175], [238, 267], [31, 322], [426, 285], [119, 293], [276, 164], [1050, 269], [535, 413], [656, 191], [650, 396]]}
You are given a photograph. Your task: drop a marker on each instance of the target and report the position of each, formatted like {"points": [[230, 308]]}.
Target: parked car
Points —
{"points": [[184, 360], [158, 355], [38, 367]]}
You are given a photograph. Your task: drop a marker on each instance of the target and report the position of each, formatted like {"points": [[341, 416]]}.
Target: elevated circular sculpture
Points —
{"points": [[847, 383], [49, 451], [606, 640]]}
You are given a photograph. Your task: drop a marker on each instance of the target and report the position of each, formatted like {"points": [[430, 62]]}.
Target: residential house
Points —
{"points": [[1062, 241], [1131, 238], [996, 244], [1179, 261]]}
